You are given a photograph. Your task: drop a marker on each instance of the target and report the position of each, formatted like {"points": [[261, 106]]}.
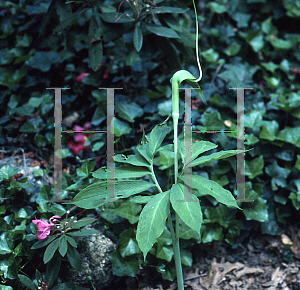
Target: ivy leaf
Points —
{"points": [[128, 244], [128, 111], [238, 75], [122, 267], [256, 210], [217, 8], [42, 60]]}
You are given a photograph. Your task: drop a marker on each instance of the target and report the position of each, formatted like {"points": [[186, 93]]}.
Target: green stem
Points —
{"points": [[175, 239], [176, 80], [175, 121], [175, 236], [154, 179], [177, 259]]}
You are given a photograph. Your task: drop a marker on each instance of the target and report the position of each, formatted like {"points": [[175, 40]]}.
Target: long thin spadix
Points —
{"points": [[197, 53]]}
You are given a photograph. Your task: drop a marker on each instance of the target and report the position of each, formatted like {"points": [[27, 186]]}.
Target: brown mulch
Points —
{"points": [[257, 263]]}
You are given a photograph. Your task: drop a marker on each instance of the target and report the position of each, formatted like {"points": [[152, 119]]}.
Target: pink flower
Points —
{"points": [[80, 139], [81, 76], [5, 11], [87, 125], [76, 148], [194, 104], [43, 227], [106, 74]]}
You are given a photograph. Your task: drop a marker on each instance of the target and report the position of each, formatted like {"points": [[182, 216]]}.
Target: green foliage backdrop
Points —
{"points": [[87, 45]]}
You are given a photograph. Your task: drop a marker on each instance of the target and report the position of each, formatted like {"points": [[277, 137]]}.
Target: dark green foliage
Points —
{"points": [[253, 43]]}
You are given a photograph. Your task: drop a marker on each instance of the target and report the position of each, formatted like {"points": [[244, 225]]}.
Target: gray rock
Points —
{"points": [[94, 251]]}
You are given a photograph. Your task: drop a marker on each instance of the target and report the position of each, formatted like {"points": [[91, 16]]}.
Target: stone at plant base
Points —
{"points": [[94, 251]]}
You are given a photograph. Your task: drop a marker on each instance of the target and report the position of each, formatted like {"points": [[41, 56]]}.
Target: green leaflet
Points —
{"points": [[208, 187], [152, 221], [94, 195], [197, 149], [189, 212], [122, 172], [214, 156]]}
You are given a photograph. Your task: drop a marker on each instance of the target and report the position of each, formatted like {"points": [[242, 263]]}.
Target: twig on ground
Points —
{"points": [[194, 277]]}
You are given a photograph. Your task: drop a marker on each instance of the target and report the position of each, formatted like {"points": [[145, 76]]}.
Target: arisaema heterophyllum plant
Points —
{"points": [[158, 207]]}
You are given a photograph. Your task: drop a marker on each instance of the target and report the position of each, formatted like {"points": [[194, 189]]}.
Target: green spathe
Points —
{"points": [[176, 80]]}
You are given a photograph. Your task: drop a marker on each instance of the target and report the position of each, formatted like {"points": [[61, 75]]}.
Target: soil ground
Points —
{"points": [[257, 263]]}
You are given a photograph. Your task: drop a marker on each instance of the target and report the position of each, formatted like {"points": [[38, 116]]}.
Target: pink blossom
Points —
{"points": [[80, 139], [43, 227], [87, 125], [194, 104], [106, 74], [76, 148], [78, 128], [81, 76], [5, 11]]}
